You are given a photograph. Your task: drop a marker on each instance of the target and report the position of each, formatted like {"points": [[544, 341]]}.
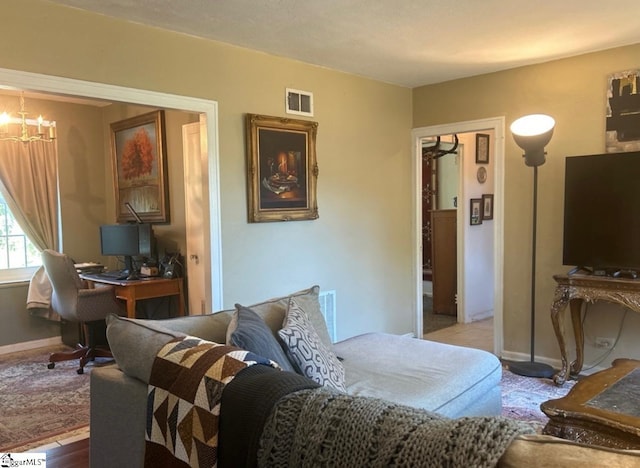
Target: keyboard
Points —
{"points": [[114, 275]]}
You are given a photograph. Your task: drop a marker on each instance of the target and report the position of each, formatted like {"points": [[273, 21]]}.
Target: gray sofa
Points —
{"points": [[449, 380]]}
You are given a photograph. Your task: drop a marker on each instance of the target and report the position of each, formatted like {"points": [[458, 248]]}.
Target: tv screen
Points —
{"points": [[602, 212]]}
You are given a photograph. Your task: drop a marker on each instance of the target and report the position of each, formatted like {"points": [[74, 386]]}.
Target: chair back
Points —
{"points": [[64, 278]]}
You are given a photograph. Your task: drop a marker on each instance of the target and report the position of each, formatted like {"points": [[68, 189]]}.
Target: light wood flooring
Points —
{"points": [[473, 335]]}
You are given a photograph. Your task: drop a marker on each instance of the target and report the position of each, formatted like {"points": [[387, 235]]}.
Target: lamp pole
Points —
{"points": [[533, 261]]}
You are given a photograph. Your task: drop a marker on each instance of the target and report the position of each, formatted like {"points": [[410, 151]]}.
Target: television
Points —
{"points": [[602, 213], [128, 241]]}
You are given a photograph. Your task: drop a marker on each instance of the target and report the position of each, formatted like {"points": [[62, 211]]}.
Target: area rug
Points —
{"points": [[522, 396], [37, 404]]}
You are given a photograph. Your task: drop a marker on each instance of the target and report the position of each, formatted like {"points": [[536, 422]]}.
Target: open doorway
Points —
{"points": [[478, 247]]}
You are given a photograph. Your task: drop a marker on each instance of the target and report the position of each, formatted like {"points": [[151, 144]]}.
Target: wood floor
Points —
{"points": [[73, 455], [475, 335]]}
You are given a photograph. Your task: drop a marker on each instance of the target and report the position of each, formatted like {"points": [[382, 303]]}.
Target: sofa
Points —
{"points": [[435, 379]]}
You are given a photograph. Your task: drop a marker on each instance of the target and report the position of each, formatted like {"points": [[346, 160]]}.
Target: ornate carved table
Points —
{"points": [[600, 409], [574, 290]]}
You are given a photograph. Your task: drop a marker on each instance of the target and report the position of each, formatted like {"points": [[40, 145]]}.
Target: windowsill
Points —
{"points": [[4, 284]]}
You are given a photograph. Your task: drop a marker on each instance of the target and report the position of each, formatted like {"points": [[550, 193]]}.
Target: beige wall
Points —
{"points": [[360, 246], [573, 92]]}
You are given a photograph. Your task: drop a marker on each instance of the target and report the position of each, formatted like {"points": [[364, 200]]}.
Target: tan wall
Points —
{"points": [[573, 92], [360, 246]]}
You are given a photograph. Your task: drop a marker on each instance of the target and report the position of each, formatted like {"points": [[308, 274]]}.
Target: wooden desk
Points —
{"points": [[600, 409], [147, 288], [575, 290]]}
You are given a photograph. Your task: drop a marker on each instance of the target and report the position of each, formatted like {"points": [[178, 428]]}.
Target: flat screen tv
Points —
{"points": [[602, 213]]}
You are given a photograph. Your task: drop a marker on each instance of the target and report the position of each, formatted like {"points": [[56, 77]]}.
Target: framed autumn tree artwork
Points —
{"points": [[139, 168]]}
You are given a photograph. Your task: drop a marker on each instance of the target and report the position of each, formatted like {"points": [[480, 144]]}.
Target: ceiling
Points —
{"points": [[405, 42]]}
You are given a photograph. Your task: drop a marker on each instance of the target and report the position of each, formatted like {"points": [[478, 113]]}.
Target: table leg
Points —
{"points": [[557, 313], [131, 307], [578, 332]]}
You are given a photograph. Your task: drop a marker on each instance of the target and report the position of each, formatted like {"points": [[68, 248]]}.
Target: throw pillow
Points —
{"points": [[273, 311], [252, 334], [307, 350]]}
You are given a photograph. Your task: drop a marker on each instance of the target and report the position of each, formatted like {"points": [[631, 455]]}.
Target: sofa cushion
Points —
{"points": [[135, 342], [273, 311], [307, 350], [438, 377], [252, 334]]}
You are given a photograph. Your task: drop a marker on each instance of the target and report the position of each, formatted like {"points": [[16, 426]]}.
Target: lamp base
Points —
{"points": [[531, 369]]}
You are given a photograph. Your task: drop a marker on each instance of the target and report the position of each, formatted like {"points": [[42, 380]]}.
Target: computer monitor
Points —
{"points": [[127, 240]]}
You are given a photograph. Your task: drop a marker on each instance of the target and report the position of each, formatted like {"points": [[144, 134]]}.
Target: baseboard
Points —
{"points": [[27, 345]]}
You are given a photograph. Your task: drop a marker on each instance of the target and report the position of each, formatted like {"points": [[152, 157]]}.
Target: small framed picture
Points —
{"points": [[487, 206], [476, 212], [482, 148]]}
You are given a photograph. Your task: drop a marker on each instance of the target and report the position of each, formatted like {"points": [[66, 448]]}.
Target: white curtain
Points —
{"points": [[29, 184]]}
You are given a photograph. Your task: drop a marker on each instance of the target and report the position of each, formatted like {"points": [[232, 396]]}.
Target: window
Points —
{"points": [[19, 258]]}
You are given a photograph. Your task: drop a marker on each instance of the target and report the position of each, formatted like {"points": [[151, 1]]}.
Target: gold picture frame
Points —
{"points": [[138, 150], [282, 170]]}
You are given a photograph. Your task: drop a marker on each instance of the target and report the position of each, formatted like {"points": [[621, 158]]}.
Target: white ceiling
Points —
{"points": [[405, 42]]}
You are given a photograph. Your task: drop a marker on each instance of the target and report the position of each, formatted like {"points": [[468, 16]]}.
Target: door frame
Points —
{"points": [[497, 124], [13, 79]]}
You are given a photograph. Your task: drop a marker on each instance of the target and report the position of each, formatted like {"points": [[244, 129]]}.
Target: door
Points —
{"points": [[196, 206], [444, 259]]}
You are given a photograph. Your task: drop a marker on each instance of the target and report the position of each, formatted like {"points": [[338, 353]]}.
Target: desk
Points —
{"points": [[132, 290], [575, 290]]}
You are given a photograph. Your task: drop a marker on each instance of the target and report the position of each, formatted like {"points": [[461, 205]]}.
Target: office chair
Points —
{"points": [[74, 302]]}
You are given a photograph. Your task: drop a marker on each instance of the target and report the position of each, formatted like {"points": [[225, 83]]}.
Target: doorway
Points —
{"points": [[207, 109], [468, 266]]}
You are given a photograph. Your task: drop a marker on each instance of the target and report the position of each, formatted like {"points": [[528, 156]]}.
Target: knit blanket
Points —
{"points": [[183, 403], [323, 428]]}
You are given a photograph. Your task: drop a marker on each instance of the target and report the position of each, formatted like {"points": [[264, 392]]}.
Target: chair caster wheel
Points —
{"points": [[80, 371], [51, 365]]}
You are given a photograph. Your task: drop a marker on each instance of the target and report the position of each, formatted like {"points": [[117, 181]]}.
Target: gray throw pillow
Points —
{"points": [[252, 334], [308, 352]]}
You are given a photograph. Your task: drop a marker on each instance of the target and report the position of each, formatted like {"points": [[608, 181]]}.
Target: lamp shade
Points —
{"points": [[532, 133]]}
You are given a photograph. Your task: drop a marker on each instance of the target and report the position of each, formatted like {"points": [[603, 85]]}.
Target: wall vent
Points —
{"points": [[328, 308], [299, 102]]}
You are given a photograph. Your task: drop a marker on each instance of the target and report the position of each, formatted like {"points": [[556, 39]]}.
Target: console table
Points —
{"points": [[132, 290], [574, 290]]}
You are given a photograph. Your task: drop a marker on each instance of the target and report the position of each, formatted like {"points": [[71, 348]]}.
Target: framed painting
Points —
{"points": [[281, 169], [138, 150], [487, 206], [482, 148], [476, 212]]}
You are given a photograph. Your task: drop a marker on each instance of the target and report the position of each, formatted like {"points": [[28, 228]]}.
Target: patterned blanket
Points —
{"points": [[183, 403]]}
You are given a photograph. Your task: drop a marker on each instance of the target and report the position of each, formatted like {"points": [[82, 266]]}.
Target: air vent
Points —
{"points": [[328, 308], [299, 102]]}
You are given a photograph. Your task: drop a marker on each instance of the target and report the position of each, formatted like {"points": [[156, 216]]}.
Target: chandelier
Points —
{"points": [[6, 121]]}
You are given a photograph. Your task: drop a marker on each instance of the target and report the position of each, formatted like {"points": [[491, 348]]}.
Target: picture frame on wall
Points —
{"points": [[282, 170], [138, 155], [487, 206], [475, 217], [482, 148]]}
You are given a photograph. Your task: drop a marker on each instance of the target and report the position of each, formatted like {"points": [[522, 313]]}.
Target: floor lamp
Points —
{"points": [[532, 133]]}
